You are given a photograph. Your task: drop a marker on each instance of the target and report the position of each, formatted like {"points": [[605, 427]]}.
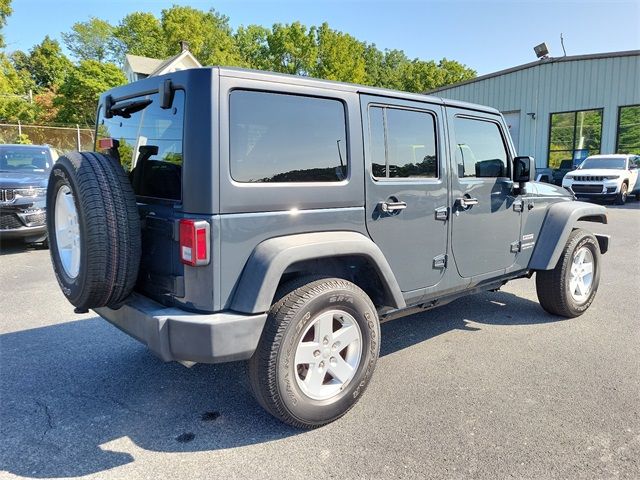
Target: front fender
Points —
{"points": [[560, 220], [270, 259]]}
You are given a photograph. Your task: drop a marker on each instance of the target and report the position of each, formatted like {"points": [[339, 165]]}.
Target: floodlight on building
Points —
{"points": [[541, 50]]}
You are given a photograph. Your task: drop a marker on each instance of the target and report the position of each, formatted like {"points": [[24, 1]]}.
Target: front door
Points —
{"points": [[406, 190], [485, 213]]}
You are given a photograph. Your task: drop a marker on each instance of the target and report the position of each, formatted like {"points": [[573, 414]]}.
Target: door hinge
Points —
{"points": [[517, 206], [514, 247], [440, 261], [442, 213]]}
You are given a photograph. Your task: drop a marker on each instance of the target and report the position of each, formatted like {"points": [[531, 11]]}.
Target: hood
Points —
{"points": [[543, 189], [23, 179], [594, 172]]}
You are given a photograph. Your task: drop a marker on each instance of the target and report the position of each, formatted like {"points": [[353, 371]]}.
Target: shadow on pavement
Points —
{"points": [[11, 246], [69, 389]]}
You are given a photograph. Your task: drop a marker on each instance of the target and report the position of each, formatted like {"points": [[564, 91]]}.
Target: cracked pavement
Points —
{"points": [[489, 386]]}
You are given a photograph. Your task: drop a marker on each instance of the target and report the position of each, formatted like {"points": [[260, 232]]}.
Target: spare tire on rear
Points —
{"points": [[94, 229]]}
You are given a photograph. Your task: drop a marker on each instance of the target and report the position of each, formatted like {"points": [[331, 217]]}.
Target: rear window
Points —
{"points": [[150, 146], [286, 138]]}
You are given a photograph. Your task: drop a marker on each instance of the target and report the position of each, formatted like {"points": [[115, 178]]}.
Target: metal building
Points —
{"points": [[564, 108]]}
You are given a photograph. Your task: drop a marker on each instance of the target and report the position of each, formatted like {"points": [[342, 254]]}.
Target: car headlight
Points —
{"points": [[611, 177], [30, 192]]}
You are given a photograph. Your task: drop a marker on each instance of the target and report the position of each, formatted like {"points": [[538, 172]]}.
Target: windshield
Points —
{"points": [[608, 163], [24, 159]]}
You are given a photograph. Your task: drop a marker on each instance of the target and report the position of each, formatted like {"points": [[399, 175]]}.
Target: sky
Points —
{"points": [[485, 35]]}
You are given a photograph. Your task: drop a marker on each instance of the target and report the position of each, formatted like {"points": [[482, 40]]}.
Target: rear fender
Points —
{"points": [[268, 262]]}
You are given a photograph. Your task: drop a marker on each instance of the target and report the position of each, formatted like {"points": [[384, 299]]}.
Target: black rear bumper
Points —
{"points": [[175, 334]]}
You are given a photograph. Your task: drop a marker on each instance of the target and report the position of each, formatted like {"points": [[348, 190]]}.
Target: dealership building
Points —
{"points": [[564, 108]]}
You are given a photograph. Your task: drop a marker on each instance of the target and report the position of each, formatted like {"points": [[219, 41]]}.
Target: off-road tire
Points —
{"points": [[271, 368], [552, 286], [109, 229], [621, 198]]}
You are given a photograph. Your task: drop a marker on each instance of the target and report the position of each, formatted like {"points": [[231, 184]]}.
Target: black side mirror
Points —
{"points": [[524, 169]]}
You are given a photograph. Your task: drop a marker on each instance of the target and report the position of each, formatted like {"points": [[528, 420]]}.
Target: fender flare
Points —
{"points": [[269, 260], [561, 219]]}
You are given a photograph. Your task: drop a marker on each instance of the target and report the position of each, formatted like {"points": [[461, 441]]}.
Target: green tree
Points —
{"points": [[48, 65], [419, 76], [93, 40], [5, 11], [78, 95], [23, 139], [293, 48], [453, 72], [390, 71], [208, 33], [140, 33], [340, 56], [253, 46], [14, 100]]}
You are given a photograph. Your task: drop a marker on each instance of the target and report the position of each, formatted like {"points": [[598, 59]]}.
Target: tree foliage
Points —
{"points": [[208, 33], [81, 89], [43, 85], [5, 11], [141, 33], [47, 64], [92, 40]]}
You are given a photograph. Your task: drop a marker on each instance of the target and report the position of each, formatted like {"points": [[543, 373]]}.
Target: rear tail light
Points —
{"points": [[194, 242]]}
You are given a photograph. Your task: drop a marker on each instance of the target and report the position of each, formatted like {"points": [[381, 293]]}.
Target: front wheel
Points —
{"points": [[317, 353], [621, 198], [569, 289]]}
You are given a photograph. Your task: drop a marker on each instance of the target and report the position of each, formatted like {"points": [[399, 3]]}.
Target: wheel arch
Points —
{"points": [[561, 219], [277, 259]]}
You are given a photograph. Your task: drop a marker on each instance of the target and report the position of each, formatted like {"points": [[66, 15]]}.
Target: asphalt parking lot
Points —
{"points": [[486, 387]]}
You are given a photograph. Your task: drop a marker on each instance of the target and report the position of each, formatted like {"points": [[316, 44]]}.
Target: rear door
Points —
{"points": [[406, 190], [149, 144], [486, 214]]}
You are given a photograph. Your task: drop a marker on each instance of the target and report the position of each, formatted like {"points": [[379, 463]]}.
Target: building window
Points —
{"points": [[574, 136], [628, 140], [286, 138]]}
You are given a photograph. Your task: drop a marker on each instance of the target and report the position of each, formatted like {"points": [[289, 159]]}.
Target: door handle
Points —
{"points": [[387, 207], [466, 202]]}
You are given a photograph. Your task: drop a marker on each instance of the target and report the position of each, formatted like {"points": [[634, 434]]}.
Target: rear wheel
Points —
{"points": [[569, 289], [317, 353], [94, 230]]}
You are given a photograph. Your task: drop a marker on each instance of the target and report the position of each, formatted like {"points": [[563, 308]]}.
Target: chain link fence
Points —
{"points": [[63, 139]]}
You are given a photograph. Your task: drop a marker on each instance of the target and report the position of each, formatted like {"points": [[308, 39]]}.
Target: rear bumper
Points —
{"points": [[174, 334]]}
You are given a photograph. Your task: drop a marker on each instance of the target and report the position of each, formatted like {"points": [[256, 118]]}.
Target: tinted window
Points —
{"points": [[403, 143], [376, 131], [480, 150], [286, 138], [24, 159], [150, 146], [608, 163]]}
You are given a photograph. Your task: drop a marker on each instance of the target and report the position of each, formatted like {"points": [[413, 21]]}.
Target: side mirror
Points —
{"points": [[524, 169]]}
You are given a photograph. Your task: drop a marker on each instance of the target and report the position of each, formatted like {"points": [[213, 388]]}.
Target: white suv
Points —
{"points": [[605, 176]]}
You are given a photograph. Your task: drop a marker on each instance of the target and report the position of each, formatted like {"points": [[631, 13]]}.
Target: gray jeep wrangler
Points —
{"points": [[228, 214]]}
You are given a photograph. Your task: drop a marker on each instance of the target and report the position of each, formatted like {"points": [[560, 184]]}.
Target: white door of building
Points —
{"points": [[513, 122]]}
